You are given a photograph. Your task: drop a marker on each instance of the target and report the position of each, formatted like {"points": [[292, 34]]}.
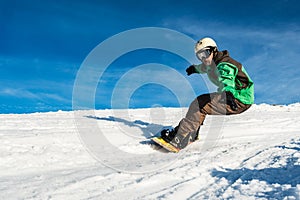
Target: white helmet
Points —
{"points": [[205, 43]]}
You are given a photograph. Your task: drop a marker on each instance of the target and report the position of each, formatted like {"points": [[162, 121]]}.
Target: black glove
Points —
{"points": [[190, 70], [230, 100]]}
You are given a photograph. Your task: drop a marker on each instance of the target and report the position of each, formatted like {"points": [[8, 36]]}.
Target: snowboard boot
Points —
{"points": [[168, 134], [177, 140]]}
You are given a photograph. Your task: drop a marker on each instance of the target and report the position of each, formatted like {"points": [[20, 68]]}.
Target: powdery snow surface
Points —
{"points": [[105, 154]]}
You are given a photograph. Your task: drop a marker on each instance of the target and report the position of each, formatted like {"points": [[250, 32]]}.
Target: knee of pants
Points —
{"points": [[195, 104], [194, 107], [194, 111]]}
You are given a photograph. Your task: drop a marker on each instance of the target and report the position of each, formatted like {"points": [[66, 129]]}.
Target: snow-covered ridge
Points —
{"points": [[254, 155]]}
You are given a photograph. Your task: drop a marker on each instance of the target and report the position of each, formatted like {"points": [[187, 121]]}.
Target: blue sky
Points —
{"points": [[43, 44]]}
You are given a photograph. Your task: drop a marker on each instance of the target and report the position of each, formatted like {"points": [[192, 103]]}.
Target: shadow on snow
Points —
{"points": [[149, 129]]}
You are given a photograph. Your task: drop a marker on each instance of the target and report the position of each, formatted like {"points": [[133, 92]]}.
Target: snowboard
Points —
{"points": [[165, 145]]}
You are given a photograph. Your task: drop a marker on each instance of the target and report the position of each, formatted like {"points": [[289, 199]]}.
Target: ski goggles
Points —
{"points": [[203, 54]]}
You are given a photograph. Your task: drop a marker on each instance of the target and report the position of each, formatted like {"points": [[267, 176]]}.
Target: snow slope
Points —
{"points": [[254, 155]]}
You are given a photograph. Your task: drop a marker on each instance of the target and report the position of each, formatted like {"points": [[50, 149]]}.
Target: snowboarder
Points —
{"points": [[235, 92]]}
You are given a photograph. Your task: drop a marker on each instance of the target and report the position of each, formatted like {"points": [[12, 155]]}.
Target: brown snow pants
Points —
{"points": [[206, 104]]}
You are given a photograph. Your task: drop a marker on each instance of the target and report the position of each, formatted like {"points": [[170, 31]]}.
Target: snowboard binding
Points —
{"points": [[177, 140]]}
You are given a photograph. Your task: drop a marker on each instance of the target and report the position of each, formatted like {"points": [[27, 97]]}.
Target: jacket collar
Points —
{"points": [[220, 55]]}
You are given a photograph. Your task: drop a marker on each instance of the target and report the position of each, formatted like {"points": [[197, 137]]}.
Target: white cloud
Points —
{"points": [[18, 93], [26, 94], [55, 97]]}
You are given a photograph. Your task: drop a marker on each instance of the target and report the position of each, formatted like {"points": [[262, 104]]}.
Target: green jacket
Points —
{"points": [[229, 75]]}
